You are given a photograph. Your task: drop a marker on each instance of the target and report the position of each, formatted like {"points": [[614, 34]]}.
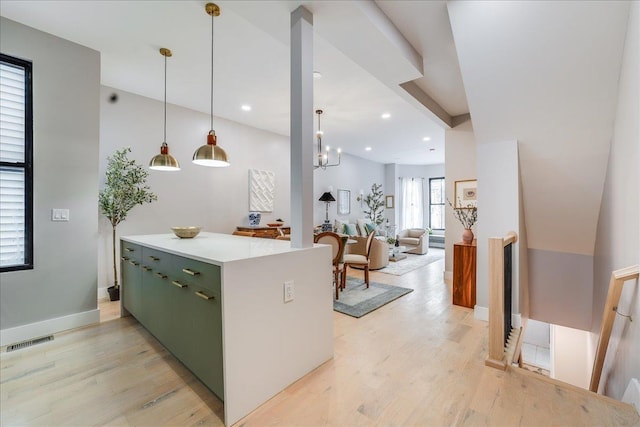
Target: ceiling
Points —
{"points": [[364, 51]]}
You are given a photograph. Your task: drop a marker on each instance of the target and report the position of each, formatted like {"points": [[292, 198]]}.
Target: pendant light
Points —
{"points": [[164, 161], [322, 157], [211, 154]]}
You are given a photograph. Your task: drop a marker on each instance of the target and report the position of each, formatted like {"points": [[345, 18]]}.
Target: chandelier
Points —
{"points": [[322, 157]]}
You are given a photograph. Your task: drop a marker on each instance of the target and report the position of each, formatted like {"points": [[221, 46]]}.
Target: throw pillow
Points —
{"points": [[339, 226], [350, 229], [361, 230], [369, 228]]}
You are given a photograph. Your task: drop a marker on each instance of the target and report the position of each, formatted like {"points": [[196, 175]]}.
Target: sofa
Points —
{"points": [[415, 239]]}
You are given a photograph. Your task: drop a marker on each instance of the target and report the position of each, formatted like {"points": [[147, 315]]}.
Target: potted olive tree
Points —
{"points": [[375, 204], [125, 187]]}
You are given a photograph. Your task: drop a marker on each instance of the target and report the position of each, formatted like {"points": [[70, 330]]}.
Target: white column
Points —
{"points": [[301, 128]]}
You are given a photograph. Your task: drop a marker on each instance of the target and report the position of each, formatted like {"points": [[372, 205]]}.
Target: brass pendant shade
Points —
{"points": [[211, 154], [164, 161]]}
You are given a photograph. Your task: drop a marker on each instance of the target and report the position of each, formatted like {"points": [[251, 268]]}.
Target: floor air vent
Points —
{"points": [[29, 343]]}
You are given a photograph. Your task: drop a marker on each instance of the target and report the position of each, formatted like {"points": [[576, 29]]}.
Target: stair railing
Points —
{"points": [[618, 277], [500, 285]]}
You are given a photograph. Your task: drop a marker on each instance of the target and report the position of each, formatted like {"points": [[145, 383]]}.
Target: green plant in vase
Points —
{"points": [[125, 187]]}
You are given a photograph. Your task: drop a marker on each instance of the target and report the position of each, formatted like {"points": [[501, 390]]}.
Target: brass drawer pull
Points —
{"points": [[154, 258], [124, 258], [135, 264], [145, 268], [190, 272], [205, 296], [178, 284], [129, 249], [162, 276]]}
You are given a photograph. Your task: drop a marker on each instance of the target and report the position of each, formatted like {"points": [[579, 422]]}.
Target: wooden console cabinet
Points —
{"points": [[464, 274], [266, 232]]}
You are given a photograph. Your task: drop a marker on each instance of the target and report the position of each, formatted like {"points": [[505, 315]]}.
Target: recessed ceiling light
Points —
{"points": [[385, 115], [246, 107], [426, 138], [432, 149], [317, 75], [367, 149]]}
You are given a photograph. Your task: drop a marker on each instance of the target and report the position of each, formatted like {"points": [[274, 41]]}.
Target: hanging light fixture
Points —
{"points": [[211, 154], [322, 158], [164, 161]]}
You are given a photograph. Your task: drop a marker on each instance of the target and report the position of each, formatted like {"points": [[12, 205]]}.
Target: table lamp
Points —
{"points": [[327, 198]]}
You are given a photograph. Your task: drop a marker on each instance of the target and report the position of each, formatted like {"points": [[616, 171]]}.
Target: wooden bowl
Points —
{"points": [[275, 224], [186, 232]]}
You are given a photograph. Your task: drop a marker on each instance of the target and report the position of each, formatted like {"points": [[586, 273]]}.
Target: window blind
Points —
{"points": [[12, 165]]}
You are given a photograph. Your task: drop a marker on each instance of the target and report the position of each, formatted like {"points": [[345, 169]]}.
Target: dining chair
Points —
{"points": [[337, 249], [358, 260]]}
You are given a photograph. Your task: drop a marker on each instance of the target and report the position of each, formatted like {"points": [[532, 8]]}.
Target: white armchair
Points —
{"points": [[415, 239]]}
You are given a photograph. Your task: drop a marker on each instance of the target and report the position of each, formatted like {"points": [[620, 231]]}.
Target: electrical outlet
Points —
{"points": [[288, 291]]}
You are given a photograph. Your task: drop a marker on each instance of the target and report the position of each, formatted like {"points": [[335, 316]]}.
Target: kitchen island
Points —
{"points": [[217, 302]]}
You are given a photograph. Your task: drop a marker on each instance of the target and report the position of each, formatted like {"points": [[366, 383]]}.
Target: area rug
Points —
{"points": [[356, 300], [411, 262]]}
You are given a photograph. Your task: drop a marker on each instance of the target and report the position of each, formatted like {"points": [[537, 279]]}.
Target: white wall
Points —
{"points": [[460, 164], [618, 234], [215, 198], [571, 356], [62, 284], [498, 213], [353, 174]]}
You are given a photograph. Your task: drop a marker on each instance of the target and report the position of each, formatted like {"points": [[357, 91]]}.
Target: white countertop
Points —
{"points": [[214, 248]]}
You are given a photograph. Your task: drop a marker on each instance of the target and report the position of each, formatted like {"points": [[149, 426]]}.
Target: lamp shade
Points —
{"points": [[327, 197], [164, 161], [211, 154]]}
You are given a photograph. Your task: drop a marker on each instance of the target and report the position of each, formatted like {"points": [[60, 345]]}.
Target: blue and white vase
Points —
{"points": [[254, 218]]}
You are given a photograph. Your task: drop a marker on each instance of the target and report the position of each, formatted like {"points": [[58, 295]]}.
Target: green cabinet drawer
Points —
{"points": [[203, 338], [130, 250], [131, 280], [197, 273]]}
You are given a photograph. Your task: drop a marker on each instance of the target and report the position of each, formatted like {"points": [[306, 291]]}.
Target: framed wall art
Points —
{"points": [[344, 202], [388, 202], [466, 193]]}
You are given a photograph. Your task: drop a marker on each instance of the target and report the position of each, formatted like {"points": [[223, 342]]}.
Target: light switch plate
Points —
{"points": [[59, 214], [288, 291]]}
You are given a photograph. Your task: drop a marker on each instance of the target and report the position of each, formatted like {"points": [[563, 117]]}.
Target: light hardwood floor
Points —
{"points": [[418, 361]]}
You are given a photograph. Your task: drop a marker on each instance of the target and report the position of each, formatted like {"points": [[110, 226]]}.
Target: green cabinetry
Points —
{"points": [[179, 302], [131, 283]]}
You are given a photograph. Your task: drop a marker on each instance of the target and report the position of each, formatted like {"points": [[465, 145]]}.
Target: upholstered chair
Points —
{"points": [[337, 249], [357, 260], [415, 239]]}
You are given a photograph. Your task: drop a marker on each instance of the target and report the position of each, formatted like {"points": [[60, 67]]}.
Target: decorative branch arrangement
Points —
{"points": [[467, 216], [375, 203]]}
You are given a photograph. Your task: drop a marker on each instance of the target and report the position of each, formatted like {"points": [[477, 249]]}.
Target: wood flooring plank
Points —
{"points": [[417, 361]]}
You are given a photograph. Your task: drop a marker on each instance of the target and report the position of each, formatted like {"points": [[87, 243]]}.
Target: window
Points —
{"points": [[436, 203], [412, 203], [16, 159]]}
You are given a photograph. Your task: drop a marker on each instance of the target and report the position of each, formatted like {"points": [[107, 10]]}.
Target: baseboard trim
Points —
{"points": [[103, 293], [48, 327], [481, 313], [448, 277]]}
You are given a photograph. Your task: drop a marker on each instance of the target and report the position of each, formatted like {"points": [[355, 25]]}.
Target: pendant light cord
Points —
{"points": [[211, 123], [165, 98]]}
